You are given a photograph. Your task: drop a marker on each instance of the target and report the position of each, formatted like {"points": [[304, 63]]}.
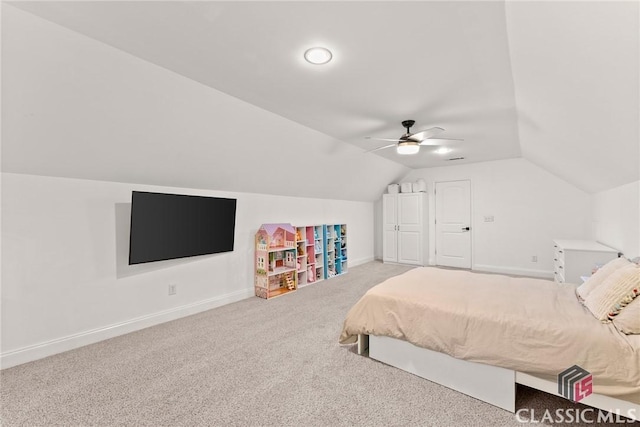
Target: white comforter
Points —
{"points": [[528, 325]]}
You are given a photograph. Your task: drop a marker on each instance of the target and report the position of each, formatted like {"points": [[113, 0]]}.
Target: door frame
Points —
{"points": [[432, 222]]}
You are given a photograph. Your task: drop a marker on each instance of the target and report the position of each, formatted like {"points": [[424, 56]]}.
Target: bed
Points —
{"points": [[483, 333]]}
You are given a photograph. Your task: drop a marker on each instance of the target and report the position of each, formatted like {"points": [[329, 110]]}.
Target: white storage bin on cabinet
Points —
{"points": [[393, 188], [420, 186]]}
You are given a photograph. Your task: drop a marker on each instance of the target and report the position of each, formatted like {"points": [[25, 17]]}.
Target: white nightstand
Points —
{"points": [[572, 258]]}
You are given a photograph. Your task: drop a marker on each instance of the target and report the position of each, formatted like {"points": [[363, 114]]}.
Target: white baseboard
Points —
{"points": [[515, 271], [360, 261], [70, 342]]}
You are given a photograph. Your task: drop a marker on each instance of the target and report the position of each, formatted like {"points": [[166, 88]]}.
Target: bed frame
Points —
{"points": [[490, 384]]}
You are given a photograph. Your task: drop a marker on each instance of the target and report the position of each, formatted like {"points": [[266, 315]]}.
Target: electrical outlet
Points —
{"points": [[173, 289], [534, 258]]}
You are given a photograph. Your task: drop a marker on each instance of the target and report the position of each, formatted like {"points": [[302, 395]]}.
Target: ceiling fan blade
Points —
{"points": [[440, 141], [381, 148], [382, 139], [427, 133]]}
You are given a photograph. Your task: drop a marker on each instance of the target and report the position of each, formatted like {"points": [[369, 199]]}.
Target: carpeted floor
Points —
{"points": [[251, 363]]}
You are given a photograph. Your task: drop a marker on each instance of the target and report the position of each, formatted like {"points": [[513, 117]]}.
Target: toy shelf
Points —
{"points": [[309, 254], [336, 244], [289, 257]]}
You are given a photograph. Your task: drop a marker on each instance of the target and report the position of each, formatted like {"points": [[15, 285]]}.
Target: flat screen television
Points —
{"points": [[168, 226]]}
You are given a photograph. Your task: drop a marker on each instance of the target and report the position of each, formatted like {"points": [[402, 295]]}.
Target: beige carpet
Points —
{"points": [[251, 363]]}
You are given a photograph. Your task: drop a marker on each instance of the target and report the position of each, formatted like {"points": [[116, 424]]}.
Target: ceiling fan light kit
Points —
{"points": [[409, 143], [408, 147]]}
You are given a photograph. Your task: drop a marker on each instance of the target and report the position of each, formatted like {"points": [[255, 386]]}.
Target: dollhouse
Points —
{"points": [[289, 257], [276, 260]]}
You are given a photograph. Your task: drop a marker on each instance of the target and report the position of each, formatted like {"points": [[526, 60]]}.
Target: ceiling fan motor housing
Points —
{"points": [[407, 124]]}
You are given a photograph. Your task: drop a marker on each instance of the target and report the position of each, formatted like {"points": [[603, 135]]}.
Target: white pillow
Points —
{"points": [[613, 291], [628, 321], [600, 276]]}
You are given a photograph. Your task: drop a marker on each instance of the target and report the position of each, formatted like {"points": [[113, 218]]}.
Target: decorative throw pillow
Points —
{"points": [[600, 276], [615, 288], [626, 300], [628, 321]]}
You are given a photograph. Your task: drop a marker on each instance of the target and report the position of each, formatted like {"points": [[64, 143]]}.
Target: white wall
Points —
{"points": [[616, 218], [100, 119], [65, 278], [530, 208]]}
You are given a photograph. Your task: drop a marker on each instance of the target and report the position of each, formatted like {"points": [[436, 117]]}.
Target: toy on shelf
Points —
{"points": [[289, 281]]}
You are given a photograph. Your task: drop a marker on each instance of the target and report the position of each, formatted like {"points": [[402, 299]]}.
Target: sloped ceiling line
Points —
{"points": [[530, 79]]}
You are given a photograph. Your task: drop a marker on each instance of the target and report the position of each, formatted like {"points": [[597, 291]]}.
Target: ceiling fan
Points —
{"points": [[409, 143]]}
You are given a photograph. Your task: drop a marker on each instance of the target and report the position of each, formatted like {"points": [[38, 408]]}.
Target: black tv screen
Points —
{"points": [[167, 226]]}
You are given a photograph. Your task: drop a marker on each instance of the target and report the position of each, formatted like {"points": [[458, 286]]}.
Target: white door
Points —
{"points": [[410, 228], [453, 224], [389, 228]]}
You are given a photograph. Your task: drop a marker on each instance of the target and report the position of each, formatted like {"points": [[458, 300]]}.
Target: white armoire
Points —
{"points": [[404, 228]]}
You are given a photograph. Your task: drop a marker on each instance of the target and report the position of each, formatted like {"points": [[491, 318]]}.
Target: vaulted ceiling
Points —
{"points": [[554, 82]]}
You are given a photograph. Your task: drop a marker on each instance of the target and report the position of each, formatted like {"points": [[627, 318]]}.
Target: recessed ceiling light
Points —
{"points": [[443, 150], [318, 55]]}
